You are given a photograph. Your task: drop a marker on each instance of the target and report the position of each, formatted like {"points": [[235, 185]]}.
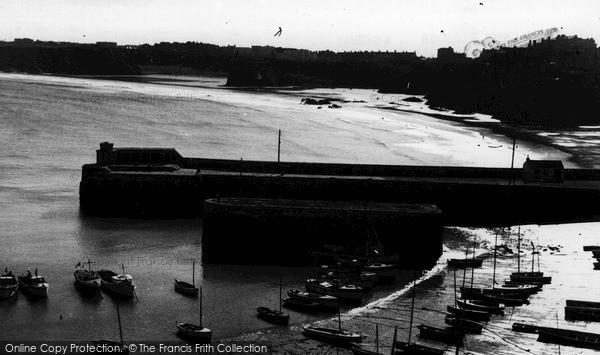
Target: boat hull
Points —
{"points": [[273, 316], [194, 332], [186, 289], [332, 335]]}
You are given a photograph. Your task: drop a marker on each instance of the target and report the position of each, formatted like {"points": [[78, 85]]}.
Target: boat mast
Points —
{"points": [[193, 272], [495, 256], [473, 269], [519, 250], [119, 319], [280, 286], [394, 341], [412, 306], [123, 268], [377, 338], [201, 308]]}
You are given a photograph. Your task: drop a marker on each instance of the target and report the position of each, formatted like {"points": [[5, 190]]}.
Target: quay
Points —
{"points": [[159, 182]]}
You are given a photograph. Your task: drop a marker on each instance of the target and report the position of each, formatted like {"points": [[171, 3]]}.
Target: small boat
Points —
{"points": [[530, 278], [121, 285], [569, 337], [412, 348], [385, 271], [115, 344], [589, 304], [522, 288], [366, 285], [493, 299], [516, 283], [525, 328], [186, 288], [469, 314], [192, 331], [301, 305], [464, 263], [325, 301], [87, 279], [332, 335], [9, 285], [480, 306], [273, 315], [582, 313], [33, 285], [464, 325], [522, 294], [345, 292], [447, 336], [591, 247]]}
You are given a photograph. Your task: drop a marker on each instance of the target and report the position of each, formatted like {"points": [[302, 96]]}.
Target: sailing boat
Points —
{"points": [[123, 349], [533, 276], [186, 288], [333, 335], [400, 347], [274, 315], [466, 262], [195, 332], [87, 279]]}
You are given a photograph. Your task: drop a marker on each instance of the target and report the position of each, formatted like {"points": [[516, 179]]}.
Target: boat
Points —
{"points": [[274, 315], [384, 271], [114, 344], [400, 347], [121, 285], [515, 283], [502, 292], [508, 301], [9, 285], [525, 328], [87, 279], [325, 301], [464, 263], [582, 313], [464, 325], [345, 292], [529, 278], [34, 286], [591, 247], [569, 337], [468, 314], [301, 305], [186, 288], [448, 336], [332, 335], [365, 284], [192, 331], [480, 306], [589, 304]]}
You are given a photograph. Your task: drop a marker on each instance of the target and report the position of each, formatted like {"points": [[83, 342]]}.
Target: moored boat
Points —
{"points": [[273, 315], [582, 313], [569, 337], [447, 336], [332, 335], [325, 301], [87, 279], [480, 306], [589, 304], [469, 314], [531, 278], [9, 285], [412, 349], [185, 288], [345, 292], [33, 285], [493, 299], [384, 271], [195, 332], [121, 285], [465, 263]]}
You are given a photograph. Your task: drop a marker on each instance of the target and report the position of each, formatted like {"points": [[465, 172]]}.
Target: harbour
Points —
{"points": [[43, 209]]}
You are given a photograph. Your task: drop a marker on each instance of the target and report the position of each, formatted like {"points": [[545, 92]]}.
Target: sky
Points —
{"points": [[338, 25]]}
